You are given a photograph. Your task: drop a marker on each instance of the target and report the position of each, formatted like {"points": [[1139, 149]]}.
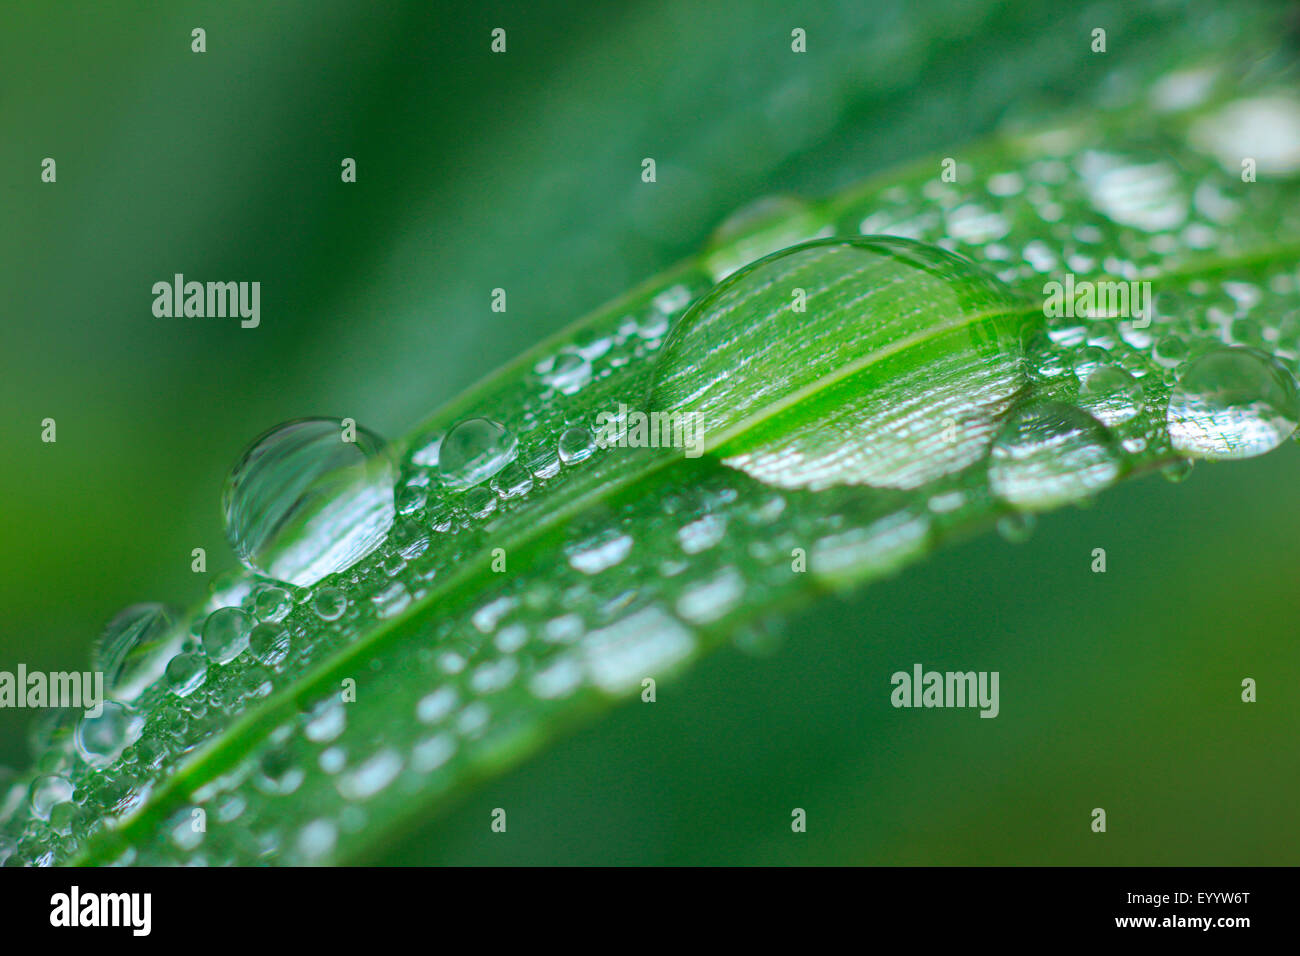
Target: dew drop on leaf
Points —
{"points": [[473, 451], [1232, 403], [47, 792], [868, 361], [100, 739], [1049, 454], [303, 502], [186, 673], [225, 634]]}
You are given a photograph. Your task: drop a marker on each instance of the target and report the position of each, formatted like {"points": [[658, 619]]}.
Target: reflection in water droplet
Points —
{"points": [[186, 673], [1111, 395], [101, 739], [47, 792], [225, 634], [567, 373], [1049, 454], [329, 604], [269, 643], [874, 361], [302, 502], [1232, 403], [576, 444], [473, 451], [273, 604], [134, 649]]}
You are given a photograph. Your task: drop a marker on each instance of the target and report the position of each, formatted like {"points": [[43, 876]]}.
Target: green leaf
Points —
{"points": [[923, 396]]}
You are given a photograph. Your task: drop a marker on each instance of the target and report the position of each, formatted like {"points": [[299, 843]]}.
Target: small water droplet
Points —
{"points": [[101, 739], [273, 604], [186, 673], [302, 502], [370, 777], [576, 444], [603, 551], [1111, 395], [329, 604], [269, 643], [1048, 454], [225, 634], [473, 451], [47, 792], [568, 373]]}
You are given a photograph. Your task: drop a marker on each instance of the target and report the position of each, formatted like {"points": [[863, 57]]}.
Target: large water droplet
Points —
{"points": [[302, 502], [135, 648], [1232, 403], [473, 451], [1048, 454], [877, 361]]}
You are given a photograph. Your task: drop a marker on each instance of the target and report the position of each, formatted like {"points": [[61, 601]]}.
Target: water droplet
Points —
{"points": [[473, 451], [1048, 454], [604, 551], [576, 444], [1265, 128], [273, 604], [329, 604], [269, 643], [1177, 471], [134, 649], [1232, 403], [101, 739], [1142, 194], [371, 777], [877, 361], [225, 634], [648, 642], [1111, 395], [1017, 527], [302, 502], [186, 673], [567, 373], [1170, 351], [316, 841], [47, 792]]}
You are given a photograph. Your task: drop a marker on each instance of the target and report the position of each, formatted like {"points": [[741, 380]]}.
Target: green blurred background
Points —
{"points": [[523, 171]]}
